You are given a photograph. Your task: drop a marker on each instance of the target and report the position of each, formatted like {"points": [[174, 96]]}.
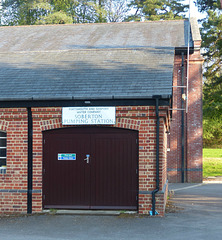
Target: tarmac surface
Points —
{"points": [[194, 212]]}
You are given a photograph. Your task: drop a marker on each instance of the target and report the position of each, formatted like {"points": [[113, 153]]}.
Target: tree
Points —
{"points": [[117, 11], [27, 12], [102, 10], [56, 18], [157, 9], [211, 33], [205, 5], [23, 12]]}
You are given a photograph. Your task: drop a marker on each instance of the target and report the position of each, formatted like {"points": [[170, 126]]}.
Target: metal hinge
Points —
{"points": [[136, 141], [136, 198], [44, 141], [136, 171], [44, 197]]}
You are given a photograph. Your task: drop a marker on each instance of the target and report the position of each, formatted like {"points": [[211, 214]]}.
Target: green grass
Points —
{"points": [[212, 153], [212, 162]]}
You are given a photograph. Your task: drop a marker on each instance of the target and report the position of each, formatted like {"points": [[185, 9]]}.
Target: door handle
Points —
{"points": [[87, 158]]}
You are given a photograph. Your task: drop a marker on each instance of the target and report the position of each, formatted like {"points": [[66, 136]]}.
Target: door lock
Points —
{"points": [[87, 158]]}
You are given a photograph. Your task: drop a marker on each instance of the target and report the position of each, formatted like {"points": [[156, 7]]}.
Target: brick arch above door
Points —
{"points": [[120, 123], [3, 125], [51, 124]]}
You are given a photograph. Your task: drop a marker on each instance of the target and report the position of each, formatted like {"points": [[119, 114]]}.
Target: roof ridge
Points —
{"points": [[84, 24]]}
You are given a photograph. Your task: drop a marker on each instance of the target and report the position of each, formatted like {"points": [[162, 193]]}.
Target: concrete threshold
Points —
{"points": [[87, 212]]}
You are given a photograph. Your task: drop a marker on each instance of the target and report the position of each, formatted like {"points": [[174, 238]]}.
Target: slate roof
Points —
{"points": [[82, 36], [89, 61]]}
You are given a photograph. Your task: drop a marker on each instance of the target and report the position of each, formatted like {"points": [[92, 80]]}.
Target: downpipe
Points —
{"points": [[153, 212], [30, 161], [182, 125]]}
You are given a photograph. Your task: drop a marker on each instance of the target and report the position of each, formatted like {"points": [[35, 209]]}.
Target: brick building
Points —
{"points": [[184, 162], [85, 111]]}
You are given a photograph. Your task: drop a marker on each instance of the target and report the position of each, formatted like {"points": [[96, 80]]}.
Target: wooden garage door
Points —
{"points": [[106, 179]]}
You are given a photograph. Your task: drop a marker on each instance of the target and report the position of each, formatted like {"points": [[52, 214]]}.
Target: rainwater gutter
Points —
{"points": [[157, 159]]}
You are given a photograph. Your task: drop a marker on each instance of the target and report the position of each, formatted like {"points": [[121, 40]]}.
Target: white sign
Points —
{"points": [[88, 115]]}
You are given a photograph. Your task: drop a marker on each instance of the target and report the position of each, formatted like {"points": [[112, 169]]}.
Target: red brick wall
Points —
{"points": [[192, 122], [14, 122], [174, 156], [13, 184]]}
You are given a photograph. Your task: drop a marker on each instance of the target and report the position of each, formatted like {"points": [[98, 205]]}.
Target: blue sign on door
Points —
{"points": [[66, 156]]}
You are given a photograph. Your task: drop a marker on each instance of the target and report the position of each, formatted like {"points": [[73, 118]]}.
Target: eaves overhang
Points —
{"points": [[164, 100]]}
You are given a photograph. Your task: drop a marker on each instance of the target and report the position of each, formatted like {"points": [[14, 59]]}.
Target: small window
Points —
{"points": [[3, 150]]}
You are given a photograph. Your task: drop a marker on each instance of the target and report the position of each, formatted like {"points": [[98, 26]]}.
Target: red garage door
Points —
{"points": [[90, 168]]}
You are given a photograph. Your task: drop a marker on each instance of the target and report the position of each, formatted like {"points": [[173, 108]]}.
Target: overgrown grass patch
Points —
{"points": [[212, 162]]}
